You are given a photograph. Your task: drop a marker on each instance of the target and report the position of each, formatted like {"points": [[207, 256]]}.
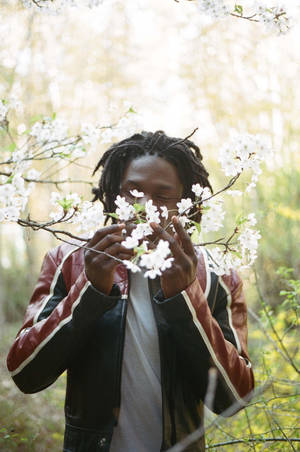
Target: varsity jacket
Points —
{"points": [[70, 325]]}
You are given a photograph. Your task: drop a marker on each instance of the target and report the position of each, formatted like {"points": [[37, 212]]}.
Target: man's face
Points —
{"points": [[157, 179]]}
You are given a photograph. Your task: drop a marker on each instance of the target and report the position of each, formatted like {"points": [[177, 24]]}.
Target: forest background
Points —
{"points": [[175, 69]]}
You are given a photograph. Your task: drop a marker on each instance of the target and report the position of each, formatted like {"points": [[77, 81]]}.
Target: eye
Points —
{"points": [[162, 198]]}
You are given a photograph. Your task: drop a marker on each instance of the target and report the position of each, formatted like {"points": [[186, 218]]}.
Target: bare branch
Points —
{"points": [[211, 388], [198, 433], [248, 440]]}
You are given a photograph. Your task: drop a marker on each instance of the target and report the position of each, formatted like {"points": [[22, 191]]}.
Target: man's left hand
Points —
{"points": [[183, 270]]}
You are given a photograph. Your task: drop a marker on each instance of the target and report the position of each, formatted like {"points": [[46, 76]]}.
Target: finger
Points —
{"points": [[184, 238], [107, 241], [101, 233], [117, 249], [176, 237], [174, 245]]}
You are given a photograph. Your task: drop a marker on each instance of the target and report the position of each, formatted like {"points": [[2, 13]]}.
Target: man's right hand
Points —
{"points": [[100, 268]]}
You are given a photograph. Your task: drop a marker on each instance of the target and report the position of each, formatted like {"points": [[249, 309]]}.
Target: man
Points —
{"points": [[137, 351]]}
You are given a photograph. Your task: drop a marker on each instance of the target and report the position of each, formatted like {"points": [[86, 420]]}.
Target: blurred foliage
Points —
{"points": [[278, 209], [274, 350], [29, 423]]}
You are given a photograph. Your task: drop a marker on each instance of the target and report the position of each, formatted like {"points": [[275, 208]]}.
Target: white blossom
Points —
{"points": [[77, 151], [130, 242], [156, 261], [33, 174], [251, 219], [248, 240], [275, 18], [165, 213], [107, 136], [73, 199], [6, 105], [3, 110], [49, 130], [206, 193], [137, 194], [212, 218], [89, 134], [66, 205], [244, 152], [152, 214], [222, 262], [244, 253], [13, 196], [89, 216], [131, 266], [11, 213], [125, 211], [140, 231], [214, 8], [6, 192], [197, 189], [184, 205], [183, 219], [129, 124]]}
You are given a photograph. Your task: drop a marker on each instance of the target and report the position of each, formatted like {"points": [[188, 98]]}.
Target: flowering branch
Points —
{"points": [[275, 18], [49, 140]]}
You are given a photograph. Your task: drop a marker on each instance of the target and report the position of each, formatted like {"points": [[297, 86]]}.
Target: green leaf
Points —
{"points": [[237, 253], [138, 207], [12, 147], [10, 179], [238, 9], [53, 116], [66, 204], [35, 119], [139, 250], [131, 110], [113, 215], [240, 219]]}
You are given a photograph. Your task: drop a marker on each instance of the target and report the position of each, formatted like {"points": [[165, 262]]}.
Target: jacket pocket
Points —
{"points": [[78, 439]]}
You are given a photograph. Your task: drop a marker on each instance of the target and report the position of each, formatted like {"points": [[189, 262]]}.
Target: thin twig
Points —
{"points": [[283, 348], [198, 433], [211, 388], [247, 440], [57, 234], [255, 317]]}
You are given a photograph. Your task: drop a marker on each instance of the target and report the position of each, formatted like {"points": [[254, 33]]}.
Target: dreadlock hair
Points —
{"points": [[182, 153]]}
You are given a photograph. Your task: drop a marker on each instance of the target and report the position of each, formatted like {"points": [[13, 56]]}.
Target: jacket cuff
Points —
{"points": [[92, 302], [175, 307]]}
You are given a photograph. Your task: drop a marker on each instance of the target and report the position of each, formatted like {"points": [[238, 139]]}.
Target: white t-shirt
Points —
{"points": [[139, 427]]}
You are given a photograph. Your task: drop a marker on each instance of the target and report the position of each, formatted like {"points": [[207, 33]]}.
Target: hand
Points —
{"points": [[100, 268], [183, 270]]}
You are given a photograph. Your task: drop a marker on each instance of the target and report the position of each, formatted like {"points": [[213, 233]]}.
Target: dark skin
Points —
{"points": [[159, 181]]}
